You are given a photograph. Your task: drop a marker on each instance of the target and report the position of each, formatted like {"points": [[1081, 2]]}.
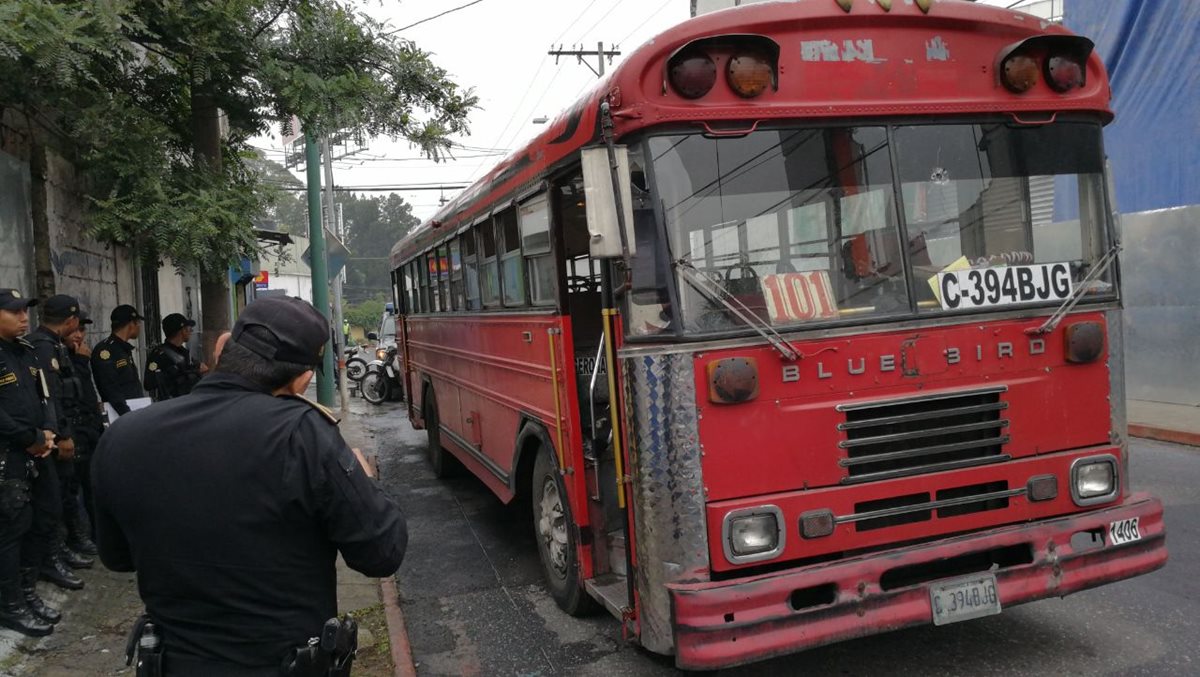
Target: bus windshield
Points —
{"points": [[827, 224]]}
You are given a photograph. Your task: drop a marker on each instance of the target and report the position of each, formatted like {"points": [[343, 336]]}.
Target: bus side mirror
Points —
{"points": [[604, 235]]}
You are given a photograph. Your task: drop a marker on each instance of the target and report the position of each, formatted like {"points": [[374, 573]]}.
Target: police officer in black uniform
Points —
{"points": [[113, 366], [59, 317], [87, 423], [26, 423], [232, 503], [171, 370]]}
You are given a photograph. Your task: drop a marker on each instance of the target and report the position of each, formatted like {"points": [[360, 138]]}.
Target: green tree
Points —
{"points": [[132, 90], [373, 226]]}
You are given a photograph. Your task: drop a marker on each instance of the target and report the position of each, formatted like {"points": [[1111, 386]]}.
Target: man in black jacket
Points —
{"points": [[59, 317], [232, 503], [26, 433], [88, 424], [113, 365], [171, 370]]}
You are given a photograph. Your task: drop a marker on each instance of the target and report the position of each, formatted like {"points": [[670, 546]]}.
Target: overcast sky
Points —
{"points": [[499, 48]]}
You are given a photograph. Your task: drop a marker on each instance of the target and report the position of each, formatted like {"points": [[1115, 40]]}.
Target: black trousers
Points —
{"points": [[42, 538], [15, 524]]}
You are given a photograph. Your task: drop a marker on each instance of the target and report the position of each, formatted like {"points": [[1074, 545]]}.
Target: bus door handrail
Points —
{"points": [[592, 389]]}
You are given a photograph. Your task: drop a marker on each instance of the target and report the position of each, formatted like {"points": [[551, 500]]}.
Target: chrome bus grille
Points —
{"points": [[923, 434]]}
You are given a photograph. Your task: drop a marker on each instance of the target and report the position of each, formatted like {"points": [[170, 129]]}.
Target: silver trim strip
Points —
{"points": [[923, 416], [875, 404], [924, 451], [918, 434], [476, 454], [923, 469], [930, 506]]}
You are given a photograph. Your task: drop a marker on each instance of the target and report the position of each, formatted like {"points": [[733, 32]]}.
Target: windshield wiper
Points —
{"points": [[744, 313], [1068, 303]]}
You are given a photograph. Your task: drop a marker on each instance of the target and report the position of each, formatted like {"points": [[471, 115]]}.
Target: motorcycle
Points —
{"points": [[382, 379], [356, 366]]}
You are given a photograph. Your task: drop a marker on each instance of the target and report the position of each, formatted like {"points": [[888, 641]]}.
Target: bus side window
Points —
{"points": [[471, 270], [535, 240], [422, 283], [489, 273], [435, 298], [443, 277], [456, 275], [512, 277], [410, 283]]}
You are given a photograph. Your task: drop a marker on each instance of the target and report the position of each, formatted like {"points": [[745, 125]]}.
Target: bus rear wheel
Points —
{"points": [[552, 527], [442, 462]]}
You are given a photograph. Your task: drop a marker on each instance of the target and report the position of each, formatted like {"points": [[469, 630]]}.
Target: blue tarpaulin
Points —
{"points": [[1149, 48]]}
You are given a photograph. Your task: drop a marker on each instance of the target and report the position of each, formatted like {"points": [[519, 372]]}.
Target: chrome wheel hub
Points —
{"points": [[552, 526]]}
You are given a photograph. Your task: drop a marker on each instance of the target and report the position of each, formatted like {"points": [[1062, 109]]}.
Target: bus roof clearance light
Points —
{"points": [[1064, 73], [692, 74], [749, 74], [1019, 72]]}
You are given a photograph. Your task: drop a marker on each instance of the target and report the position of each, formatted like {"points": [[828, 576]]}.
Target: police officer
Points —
{"points": [[171, 370], [232, 503], [87, 424], [113, 366], [25, 434], [59, 317]]}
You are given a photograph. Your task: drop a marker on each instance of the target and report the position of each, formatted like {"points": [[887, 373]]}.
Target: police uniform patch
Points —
{"points": [[324, 410], [104, 354], [54, 363], [8, 379], [16, 294], [122, 363], [153, 366]]}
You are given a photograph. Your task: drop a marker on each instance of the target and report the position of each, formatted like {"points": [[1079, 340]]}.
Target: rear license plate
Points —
{"points": [[964, 599], [1124, 531]]}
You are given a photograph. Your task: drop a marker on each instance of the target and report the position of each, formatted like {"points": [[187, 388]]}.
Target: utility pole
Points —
{"points": [[318, 263], [599, 52]]}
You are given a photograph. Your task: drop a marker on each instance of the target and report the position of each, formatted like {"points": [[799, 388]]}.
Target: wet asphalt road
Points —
{"points": [[473, 601]]}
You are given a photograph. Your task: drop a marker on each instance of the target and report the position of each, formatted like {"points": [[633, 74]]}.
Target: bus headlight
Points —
{"points": [[753, 534], [1094, 480]]}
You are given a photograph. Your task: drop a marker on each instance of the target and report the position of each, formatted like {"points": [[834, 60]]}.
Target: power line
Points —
{"points": [[646, 21], [604, 16], [435, 16]]}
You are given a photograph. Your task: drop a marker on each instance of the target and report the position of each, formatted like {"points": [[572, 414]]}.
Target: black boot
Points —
{"points": [[74, 559], [15, 615], [54, 571], [80, 543], [34, 601]]}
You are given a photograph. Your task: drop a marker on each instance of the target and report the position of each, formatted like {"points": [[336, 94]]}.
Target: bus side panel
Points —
{"points": [[487, 370]]}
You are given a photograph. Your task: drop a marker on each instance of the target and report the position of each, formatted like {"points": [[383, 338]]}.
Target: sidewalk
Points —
{"points": [[90, 641], [1166, 422]]}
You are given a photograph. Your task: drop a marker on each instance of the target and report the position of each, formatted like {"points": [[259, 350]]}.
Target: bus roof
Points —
{"points": [[831, 64]]}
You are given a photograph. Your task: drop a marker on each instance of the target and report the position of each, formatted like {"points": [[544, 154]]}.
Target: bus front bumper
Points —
{"points": [[724, 623]]}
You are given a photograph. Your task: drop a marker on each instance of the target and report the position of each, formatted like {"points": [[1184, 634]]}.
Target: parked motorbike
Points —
{"points": [[382, 379], [356, 366]]}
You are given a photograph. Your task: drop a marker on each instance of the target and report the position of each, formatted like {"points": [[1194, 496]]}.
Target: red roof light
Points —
{"points": [[692, 74], [1064, 73]]}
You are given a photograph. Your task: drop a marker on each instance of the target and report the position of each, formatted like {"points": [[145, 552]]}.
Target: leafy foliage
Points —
{"points": [[365, 314], [125, 85]]}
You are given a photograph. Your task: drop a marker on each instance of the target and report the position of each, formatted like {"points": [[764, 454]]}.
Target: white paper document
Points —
{"points": [[134, 404]]}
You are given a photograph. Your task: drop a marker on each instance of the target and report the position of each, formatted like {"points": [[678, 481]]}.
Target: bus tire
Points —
{"points": [[441, 461], [555, 537]]}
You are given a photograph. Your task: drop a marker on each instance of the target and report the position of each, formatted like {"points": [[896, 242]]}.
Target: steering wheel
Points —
{"points": [[579, 283]]}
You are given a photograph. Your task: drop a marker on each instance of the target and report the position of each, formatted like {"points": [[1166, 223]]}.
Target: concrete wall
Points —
{"points": [[16, 226], [100, 276]]}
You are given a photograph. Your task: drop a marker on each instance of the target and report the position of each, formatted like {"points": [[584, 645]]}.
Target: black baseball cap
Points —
{"points": [[172, 323], [124, 314], [294, 330], [84, 318], [12, 300], [61, 305]]}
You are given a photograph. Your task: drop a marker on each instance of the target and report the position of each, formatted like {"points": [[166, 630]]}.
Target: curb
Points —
{"points": [[402, 657], [1165, 434]]}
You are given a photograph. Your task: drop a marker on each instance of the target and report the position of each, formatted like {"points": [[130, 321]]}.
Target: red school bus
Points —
{"points": [[856, 364]]}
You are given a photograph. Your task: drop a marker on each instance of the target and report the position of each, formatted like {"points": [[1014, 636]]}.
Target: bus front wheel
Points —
{"points": [[552, 528]]}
